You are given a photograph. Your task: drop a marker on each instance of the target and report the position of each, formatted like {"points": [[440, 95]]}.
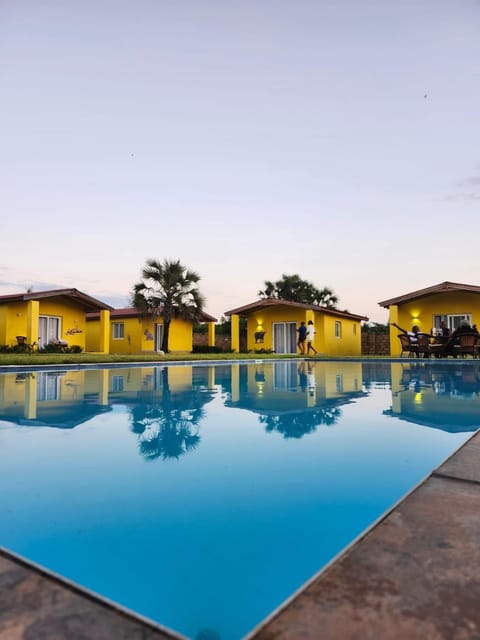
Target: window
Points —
{"points": [[117, 382], [339, 383], [48, 386], [48, 329], [285, 376], [285, 337], [452, 321], [118, 330], [338, 329]]}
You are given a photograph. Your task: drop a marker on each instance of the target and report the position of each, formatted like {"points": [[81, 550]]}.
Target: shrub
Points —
{"points": [[59, 348], [203, 348]]}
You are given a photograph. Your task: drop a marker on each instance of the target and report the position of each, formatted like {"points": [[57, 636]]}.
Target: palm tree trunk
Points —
{"points": [[166, 332]]}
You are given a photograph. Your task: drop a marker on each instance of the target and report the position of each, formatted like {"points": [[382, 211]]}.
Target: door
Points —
{"points": [[285, 337]]}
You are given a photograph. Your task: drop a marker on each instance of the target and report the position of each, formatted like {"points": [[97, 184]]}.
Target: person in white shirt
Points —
{"points": [[310, 336], [413, 334]]}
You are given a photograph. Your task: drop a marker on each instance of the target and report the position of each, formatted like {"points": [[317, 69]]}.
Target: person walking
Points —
{"points": [[310, 336], [302, 335]]}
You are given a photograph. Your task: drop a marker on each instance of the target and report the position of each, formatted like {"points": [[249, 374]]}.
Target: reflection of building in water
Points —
{"points": [[50, 398], [294, 397], [165, 404], [444, 396], [69, 398]]}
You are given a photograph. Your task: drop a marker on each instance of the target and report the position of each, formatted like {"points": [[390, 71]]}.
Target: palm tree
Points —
{"points": [[168, 290], [168, 427]]}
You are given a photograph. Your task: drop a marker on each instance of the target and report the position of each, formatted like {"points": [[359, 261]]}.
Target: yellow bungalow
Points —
{"points": [[272, 325], [134, 332], [450, 303], [42, 317]]}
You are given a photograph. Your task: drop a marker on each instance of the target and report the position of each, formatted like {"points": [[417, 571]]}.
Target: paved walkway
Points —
{"points": [[414, 576]]}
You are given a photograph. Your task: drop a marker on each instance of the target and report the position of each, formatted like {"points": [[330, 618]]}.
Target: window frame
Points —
{"points": [[118, 327], [449, 320], [338, 329]]}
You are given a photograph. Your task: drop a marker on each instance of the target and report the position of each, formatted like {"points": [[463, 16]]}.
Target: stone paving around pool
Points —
{"points": [[415, 575]]}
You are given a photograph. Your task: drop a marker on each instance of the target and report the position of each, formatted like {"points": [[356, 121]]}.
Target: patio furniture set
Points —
{"points": [[425, 345]]}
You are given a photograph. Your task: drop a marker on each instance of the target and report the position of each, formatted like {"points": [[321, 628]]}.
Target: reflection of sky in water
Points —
{"points": [[221, 535]]}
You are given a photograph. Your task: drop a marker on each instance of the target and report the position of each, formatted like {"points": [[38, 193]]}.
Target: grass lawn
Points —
{"points": [[29, 359]]}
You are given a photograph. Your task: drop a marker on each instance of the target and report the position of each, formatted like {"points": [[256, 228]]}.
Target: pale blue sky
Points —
{"points": [[335, 139]]}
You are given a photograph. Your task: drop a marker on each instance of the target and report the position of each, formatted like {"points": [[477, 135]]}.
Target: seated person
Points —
{"points": [[449, 347], [413, 334]]}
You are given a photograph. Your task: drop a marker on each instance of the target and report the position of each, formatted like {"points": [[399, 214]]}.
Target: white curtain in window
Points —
{"points": [[48, 330]]}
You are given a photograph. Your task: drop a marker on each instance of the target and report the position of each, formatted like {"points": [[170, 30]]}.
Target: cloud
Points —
{"points": [[464, 197], [117, 302], [472, 181], [33, 285], [469, 191]]}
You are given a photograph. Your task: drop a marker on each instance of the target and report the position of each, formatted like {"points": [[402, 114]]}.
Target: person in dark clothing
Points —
{"points": [[302, 336]]}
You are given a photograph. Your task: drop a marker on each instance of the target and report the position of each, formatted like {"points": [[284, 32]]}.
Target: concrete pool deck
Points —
{"points": [[415, 575]]}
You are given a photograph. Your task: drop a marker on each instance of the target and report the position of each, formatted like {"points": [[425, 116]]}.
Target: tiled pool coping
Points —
{"points": [[414, 575]]}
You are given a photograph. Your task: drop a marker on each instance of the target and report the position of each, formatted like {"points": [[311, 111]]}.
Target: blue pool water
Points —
{"points": [[203, 496]]}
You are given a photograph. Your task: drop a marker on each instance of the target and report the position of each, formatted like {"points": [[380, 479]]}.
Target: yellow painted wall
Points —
{"points": [[3, 324], [350, 340], [421, 312], [139, 334], [263, 321], [92, 338], [325, 342], [14, 321]]}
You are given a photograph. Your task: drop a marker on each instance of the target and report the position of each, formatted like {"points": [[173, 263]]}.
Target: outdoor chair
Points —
{"points": [[467, 345], [409, 348], [423, 344]]}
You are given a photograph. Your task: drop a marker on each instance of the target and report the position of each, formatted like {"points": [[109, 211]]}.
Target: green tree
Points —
{"points": [[168, 290], [293, 288]]}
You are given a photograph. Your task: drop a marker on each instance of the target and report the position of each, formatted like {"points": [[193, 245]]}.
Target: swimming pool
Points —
{"points": [[203, 496]]}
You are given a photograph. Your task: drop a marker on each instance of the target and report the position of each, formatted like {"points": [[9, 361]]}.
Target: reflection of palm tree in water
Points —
{"points": [[168, 428], [296, 425]]}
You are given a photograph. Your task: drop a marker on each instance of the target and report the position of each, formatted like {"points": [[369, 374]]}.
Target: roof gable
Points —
{"points": [[443, 287], [266, 303], [132, 312], [85, 301]]}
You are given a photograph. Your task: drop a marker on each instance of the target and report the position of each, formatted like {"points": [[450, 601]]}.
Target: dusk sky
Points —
{"points": [[335, 139]]}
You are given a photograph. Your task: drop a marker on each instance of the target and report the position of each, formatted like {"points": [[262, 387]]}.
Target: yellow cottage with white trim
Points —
{"points": [[36, 319], [134, 332], [451, 303], [272, 325]]}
